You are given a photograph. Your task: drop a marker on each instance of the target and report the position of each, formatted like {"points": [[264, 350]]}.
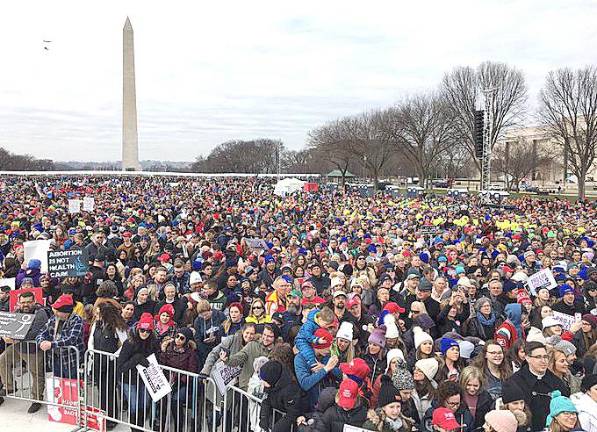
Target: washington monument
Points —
{"points": [[130, 145]]}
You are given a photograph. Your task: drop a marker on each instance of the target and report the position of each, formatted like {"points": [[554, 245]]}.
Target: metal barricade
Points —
{"points": [[49, 377], [126, 401], [242, 412]]}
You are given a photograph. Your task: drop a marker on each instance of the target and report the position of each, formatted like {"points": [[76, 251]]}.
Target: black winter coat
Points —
{"points": [[131, 354], [485, 403], [334, 418], [285, 396], [537, 393]]}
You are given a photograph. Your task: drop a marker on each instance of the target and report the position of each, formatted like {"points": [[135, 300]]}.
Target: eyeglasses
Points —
{"points": [[452, 404], [495, 352], [540, 357]]}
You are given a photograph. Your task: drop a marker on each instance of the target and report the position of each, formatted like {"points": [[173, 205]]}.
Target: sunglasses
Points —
{"points": [[144, 331], [257, 307], [181, 337]]}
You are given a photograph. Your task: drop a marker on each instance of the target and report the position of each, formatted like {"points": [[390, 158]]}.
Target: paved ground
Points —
{"points": [[14, 417]]}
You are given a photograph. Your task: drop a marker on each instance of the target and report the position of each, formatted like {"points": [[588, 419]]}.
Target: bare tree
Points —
{"points": [[423, 131], [518, 158], [568, 110], [370, 141], [332, 142], [463, 89]]}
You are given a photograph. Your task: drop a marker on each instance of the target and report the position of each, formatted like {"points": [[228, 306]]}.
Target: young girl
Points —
{"points": [[451, 365], [513, 401], [478, 401], [388, 415], [164, 323]]}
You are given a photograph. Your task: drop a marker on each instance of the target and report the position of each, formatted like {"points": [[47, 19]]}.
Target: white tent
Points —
{"points": [[287, 186]]}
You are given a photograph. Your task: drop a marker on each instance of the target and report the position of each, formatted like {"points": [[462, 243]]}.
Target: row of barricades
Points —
{"points": [[92, 394]]}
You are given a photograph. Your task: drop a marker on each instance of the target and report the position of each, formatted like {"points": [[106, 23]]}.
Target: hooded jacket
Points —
{"points": [[510, 330], [334, 418]]}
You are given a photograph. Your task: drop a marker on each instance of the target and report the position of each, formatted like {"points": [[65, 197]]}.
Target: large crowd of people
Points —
{"points": [[381, 312]]}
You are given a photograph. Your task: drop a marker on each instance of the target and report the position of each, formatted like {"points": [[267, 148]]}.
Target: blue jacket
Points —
{"points": [[305, 338], [307, 379]]}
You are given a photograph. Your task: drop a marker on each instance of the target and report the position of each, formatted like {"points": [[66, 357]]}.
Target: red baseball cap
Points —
{"points": [[507, 269], [347, 394], [444, 418], [393, 307], [357, 367], [355, 300], [307, 284]]}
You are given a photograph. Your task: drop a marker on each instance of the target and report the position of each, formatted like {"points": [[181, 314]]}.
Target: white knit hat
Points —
{"points": [[392, 354], [421, 336], [535, 335], [337, 281], [345, 331], [392, 331], [429, 367], [549, 321]]}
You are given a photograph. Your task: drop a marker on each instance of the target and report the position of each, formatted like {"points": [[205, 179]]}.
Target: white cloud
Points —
{"points": [[232, 70]]}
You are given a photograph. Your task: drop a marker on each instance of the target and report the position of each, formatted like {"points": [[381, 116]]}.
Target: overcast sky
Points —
{"points": [[208, 72]]}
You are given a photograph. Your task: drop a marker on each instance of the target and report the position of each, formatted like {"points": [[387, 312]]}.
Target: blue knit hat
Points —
{"points": [[559, 404], [446, 343], [565, 289]]}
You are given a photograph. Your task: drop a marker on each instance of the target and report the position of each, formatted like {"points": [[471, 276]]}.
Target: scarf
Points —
{"points": [[486, 321], [394, 425]]}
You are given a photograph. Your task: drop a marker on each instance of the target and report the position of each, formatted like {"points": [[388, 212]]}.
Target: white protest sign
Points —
{"points": [[38, 249], [155, 381], [88, 204], [224, 376], [74, 206], [349, 428], [8, 282], [564, 319], [541, 279]]}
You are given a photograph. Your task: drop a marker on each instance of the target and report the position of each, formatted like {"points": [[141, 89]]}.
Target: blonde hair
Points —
{"points": [[203, 306], [326, 315], [469, 373]]}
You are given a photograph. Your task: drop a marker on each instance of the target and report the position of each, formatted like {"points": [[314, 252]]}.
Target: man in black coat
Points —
{"points": [[537, 382]]}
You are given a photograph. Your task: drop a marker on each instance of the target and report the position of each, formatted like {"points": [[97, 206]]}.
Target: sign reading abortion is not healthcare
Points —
{"points": [[67, 263]]}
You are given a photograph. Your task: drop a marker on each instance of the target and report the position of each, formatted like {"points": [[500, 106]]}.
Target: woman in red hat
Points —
{"points": [[141, 343], [164, 322]]}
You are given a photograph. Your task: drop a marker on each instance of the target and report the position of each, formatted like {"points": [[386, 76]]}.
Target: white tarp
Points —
{"points": [[287, 186]]}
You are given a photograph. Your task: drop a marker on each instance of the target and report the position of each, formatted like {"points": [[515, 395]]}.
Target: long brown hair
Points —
{"points": [[480, 361], [111, 317]]}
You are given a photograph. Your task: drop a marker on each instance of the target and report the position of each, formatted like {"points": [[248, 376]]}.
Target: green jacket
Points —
{"points": [[245, 358]]}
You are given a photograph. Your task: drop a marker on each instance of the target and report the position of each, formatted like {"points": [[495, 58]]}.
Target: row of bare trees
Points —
{"points": [[15, 162], [431, 131]]}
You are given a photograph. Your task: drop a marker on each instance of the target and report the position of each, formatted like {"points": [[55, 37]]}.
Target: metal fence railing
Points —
{"points": [[92, 393], [51, 378]]}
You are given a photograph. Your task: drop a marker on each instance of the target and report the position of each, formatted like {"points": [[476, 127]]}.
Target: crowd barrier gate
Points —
{"points": [[51, 378]]}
